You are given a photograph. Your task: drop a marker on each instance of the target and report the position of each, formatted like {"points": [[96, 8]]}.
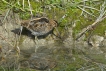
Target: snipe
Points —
{"points": [[39, 26]]}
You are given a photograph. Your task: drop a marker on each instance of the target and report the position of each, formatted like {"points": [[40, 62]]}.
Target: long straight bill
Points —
{"points": [[58, 33]]}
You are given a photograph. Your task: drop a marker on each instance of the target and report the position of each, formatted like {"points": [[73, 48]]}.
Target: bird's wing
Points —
{"points": [[42, 20]]}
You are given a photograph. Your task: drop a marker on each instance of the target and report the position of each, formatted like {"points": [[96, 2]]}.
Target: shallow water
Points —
{"points": [[74, 57]]}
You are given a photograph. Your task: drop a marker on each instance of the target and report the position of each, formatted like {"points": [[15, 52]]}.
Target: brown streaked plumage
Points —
{"points": [[39, 26]]}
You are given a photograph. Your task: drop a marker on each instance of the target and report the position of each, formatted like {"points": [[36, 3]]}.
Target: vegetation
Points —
{"points": [[77, 14]]}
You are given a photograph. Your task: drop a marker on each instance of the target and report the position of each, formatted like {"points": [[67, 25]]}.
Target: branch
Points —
{"points": [[89, 27], [3, 38]]}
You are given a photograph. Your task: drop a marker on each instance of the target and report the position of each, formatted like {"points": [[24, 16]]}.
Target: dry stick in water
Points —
{"points": [[89, 27], [3, 38]]}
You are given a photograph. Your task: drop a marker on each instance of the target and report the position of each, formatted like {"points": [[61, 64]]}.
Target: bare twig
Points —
{"points": [[85, 11], [88, 7], [30, 8], [3, 38], [101, 17], [23, 4], [89, 27]]}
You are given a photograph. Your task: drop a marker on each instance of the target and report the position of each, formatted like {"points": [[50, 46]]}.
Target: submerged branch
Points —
{"points": [[3, 38]]}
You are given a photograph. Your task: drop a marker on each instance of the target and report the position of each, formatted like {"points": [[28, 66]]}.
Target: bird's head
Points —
{"points": [[24, 23], [54, 23]]}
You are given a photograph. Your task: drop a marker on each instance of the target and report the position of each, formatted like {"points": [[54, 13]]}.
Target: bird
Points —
{"points": [[39, 26]]}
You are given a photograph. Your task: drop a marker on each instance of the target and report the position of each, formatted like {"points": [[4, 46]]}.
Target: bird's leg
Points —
{"points": [[21, 28], [20, 31], [36, 42]]}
